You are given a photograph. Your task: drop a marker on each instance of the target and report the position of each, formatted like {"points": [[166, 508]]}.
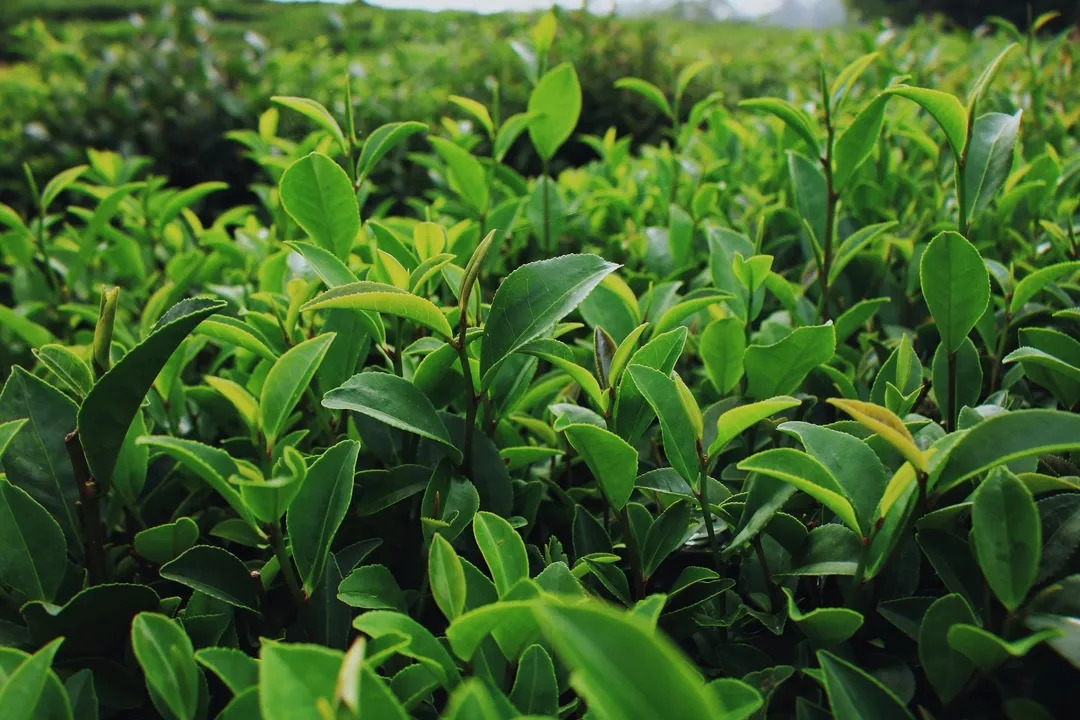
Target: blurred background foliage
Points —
{"points": [[168, 81]]}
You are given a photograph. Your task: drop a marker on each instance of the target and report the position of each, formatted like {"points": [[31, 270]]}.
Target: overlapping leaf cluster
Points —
{"points": [[777, 418]]}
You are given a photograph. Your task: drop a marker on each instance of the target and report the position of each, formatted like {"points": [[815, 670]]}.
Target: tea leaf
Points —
{"points": [[855, 694], [1007, 536], [33, 554], [316, 513], [167, 659], [531, 300], [989, 158], [383, 298], [555, 105], [109, 408], [285, 384], [215, 572], [806, 474], [394, 401], [611, 459], [503, 550], [318, 195]]}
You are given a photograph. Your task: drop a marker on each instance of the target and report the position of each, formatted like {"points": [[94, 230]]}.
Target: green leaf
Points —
{"points": [[955, 285], [394, 401], [383, 298], [214, 572], [180, 201], [808, 475], [986, 650], [840, 86], [611, 459], [231, 331], [722, 346], [60, 182], [467, 176], [987, 75], [285, 384], [535, 691], [824, 626], [165, 542], [852, 245], [477, 110], [688, 73], [33, 554], [886, 424], [317, 511], [8, 431], [531, 300], [947, 669], [780, 368], [108, 410], [213, 465], [509, 131], [855, 694], [318, 195], [808, 182], [371, 587], [648, 91], [383, 140], [418, 644], [1007, 536], [36, 458], [446, 576], [595, 641], [989, 159], [33, 334], [236, 669], [24, 694], [1035, 281], [945, 108], [681, 442], [297, 680], [82, 695], [503, 550], [555, 105], [798, 120], [560, 356], [733, 422], [857, 140], [315, 111], [167, 659], [665, 536], [1003, 438]]}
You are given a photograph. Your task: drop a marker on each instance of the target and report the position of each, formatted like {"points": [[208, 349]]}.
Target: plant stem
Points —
{"points": [[470, 393], [547, 208], [831, 198], [398, 360], [88, 509], [950, 420], [706, 512], [277, 541], [632, 551]]}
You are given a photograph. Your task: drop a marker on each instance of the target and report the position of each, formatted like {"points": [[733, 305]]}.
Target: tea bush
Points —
{"points": [[775, 417]]}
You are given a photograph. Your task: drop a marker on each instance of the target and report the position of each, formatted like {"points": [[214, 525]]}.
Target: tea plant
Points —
{"points": [[776, 418]]}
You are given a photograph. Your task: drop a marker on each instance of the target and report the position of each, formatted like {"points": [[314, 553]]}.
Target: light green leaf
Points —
{"points": [[945, 108], [780, 368], [857, 140], [555, 105], [611, 459], [446, 576], [315, 111], [798, 120], [318, 195], [535, 691], [163, 543], [382, 141], [394, 401], [503, 550], [285, 384], [648, 91], [167, 659], [317, 511], [383, 298], [808, 475], [681, 442], [733, 422], [467, 176], [25, 695], [296, 680]]}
